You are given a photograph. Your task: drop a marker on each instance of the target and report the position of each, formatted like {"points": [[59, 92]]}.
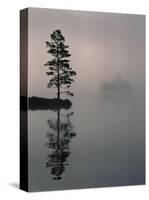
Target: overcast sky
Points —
{"points": [[103, 45]]}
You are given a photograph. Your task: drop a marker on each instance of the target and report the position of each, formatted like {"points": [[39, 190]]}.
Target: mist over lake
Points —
{"points": [[96, 137]]}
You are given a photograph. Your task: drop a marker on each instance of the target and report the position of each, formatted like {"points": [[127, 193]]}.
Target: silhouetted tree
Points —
{"points": [[59, 69]]}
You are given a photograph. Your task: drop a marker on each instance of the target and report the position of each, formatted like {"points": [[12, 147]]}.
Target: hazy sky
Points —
{"points": [[103, 45]]}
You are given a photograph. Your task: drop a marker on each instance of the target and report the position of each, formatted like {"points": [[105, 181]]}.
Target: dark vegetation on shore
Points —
{"points": [[40, 103]]}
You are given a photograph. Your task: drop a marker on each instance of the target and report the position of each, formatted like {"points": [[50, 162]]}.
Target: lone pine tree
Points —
{"points": [[58, 68]]}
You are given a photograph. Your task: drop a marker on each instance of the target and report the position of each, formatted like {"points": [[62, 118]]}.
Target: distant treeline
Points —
{"points": [[40, 103]]}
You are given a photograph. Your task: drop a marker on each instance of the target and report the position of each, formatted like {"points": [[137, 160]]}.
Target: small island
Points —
{"points": [[40, 103]]}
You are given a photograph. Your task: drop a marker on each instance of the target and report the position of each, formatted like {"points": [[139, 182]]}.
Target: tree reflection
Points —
{"points": [[59, 138]]}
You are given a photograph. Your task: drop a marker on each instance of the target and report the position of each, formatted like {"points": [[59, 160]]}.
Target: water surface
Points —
{"points": [[107, 148]]}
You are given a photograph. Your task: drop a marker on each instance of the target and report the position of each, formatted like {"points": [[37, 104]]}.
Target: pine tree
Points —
{"points": [[58, 68]]}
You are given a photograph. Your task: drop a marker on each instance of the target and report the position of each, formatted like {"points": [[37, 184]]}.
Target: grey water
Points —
{"points": [[108, 148]]}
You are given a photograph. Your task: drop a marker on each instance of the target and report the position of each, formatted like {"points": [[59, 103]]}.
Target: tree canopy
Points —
{"points": [[59, 67]]}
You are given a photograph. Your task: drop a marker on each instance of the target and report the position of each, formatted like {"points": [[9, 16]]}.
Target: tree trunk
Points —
{"points": [[58, 84], [58, 87], [58, 128], [58, 93]]}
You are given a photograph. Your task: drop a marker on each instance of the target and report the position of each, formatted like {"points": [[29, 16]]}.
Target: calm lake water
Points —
{"points": [[101, 143]]}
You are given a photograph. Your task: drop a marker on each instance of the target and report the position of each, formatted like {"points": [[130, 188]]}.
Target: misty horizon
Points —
{"points": [[103, 45], [95, 138]]}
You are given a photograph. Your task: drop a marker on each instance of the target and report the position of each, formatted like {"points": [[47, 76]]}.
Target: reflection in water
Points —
{"points": [[62, 131], [108, 149]]}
